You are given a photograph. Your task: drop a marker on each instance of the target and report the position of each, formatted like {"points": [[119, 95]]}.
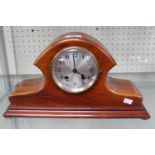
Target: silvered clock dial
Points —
{"points": [[74, 69]]}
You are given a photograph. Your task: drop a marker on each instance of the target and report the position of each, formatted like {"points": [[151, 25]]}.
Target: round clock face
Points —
{"points": [[74, 69]]}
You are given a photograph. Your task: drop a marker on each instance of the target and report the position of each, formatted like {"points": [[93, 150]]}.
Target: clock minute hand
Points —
{"points": [[73, 62], [75, 70]]}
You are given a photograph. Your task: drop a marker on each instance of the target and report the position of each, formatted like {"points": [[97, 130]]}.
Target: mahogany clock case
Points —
{"points": [[41, 97]]}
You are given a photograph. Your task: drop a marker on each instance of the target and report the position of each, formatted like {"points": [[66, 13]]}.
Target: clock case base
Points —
{"points": [[23, 99], [47, 113]]}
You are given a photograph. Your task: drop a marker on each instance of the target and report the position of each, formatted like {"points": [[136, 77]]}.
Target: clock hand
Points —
{"points": [[82, 76], [73, 61], [76, 71]]}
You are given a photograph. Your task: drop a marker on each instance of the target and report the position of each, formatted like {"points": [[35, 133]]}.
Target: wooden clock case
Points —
{"points": [[41, 97]]}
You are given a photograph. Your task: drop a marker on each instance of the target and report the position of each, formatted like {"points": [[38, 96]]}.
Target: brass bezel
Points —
{"points": [[78, 90]]}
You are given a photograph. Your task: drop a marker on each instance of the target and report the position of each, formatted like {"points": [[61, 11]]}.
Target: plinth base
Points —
{"points": [[47, 113]]}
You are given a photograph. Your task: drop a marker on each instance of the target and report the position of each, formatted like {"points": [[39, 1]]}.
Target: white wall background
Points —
{"points": [[4, 86], [132, 47]]}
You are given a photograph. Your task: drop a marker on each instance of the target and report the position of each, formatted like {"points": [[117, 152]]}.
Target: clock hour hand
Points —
{"points": [[83, 77], [76, 71]]}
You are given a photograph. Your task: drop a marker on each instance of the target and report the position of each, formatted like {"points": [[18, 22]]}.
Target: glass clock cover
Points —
{"points": [[74, 69]]}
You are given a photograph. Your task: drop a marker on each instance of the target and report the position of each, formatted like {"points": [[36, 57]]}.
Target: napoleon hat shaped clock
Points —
{"points": [[75, 83]]}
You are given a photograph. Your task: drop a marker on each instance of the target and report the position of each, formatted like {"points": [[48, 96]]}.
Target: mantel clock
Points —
{"points": [[76, 84]]}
